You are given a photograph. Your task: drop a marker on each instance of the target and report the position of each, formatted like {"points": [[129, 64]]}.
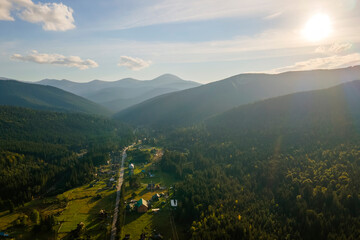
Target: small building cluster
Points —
{"points": [[143, 205]]}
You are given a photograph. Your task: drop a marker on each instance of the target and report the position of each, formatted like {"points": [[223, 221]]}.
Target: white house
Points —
{"points": [[173, 202], [131, 166]]}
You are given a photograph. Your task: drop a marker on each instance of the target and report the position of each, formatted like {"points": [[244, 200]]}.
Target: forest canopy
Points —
{"points": [[42, 151]]}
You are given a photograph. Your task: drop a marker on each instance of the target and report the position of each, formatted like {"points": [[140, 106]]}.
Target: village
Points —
{"points": [[88, 210], [149, 192]]}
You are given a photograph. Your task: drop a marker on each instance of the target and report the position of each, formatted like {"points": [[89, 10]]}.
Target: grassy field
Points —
{"points": [[11, 222], [148, 223], [84, 206]]}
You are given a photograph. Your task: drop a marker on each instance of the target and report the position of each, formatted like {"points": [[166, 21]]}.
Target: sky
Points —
{"points": [[202, 40]]}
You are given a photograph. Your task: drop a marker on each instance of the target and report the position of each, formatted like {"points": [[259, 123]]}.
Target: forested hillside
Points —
{"points": [[15, 93], [47, 152], [332, 112], [284, 168]]}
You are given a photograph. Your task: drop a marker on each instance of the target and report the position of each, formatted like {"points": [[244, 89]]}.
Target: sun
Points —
{"points": [[317, 28]]}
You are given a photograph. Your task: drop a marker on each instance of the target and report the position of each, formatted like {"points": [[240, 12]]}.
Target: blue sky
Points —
{"points": [[203, 40]]}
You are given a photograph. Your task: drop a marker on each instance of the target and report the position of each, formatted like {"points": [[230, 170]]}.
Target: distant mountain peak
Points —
{"points": [[96, 81], [168, 78], [168, 75]]}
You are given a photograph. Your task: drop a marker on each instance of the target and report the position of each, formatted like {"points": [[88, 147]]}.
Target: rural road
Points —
{"points": [[173, 228], [118, 188]]}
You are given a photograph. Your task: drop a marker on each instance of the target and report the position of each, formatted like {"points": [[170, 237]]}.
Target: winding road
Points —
{"points": [[118, 189]]}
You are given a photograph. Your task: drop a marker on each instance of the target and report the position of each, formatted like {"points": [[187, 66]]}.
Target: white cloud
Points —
{"points": [[331, 62], [5, 6], [132, 63], [56, 59], [52, 16], [335, 48]]}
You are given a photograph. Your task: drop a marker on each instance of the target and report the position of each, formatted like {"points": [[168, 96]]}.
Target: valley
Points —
{"points": [[179, 120], [281, 167]]}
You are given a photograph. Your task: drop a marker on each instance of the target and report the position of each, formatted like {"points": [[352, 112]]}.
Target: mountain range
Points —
{"points": [[197, 104], [167, 109], [118, 95], [15, 93]]}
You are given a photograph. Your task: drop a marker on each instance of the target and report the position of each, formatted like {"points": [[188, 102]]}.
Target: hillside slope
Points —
{"points": [[15, 93], [289, 161], [196, 104], [332, 113], [39, 150]]}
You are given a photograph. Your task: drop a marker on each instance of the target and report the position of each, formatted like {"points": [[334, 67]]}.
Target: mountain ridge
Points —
{"points": [[196, 104], [123, 93], [162, 78], [327, 116]]}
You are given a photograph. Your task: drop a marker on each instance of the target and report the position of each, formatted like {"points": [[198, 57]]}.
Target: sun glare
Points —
{"points": [[317, 28]]}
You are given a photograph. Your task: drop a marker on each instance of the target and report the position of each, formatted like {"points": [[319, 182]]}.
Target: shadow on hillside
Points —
{"points": [[133, 216]]}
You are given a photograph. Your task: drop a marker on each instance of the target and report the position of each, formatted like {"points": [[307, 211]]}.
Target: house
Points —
{"points": [[173, 203], [142, 205], [156, 197], [131, 168], [155, 210], [102, 213]]}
